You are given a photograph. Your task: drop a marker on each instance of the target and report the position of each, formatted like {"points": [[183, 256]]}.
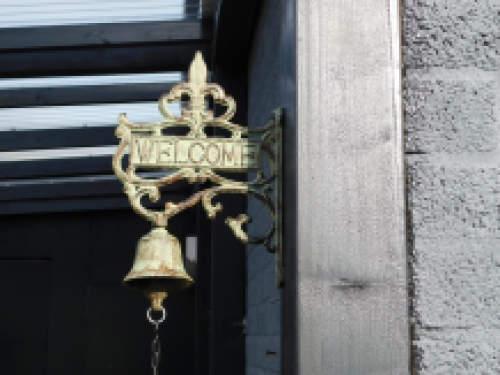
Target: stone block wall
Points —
{"points": [[452, 100], [263, 297]]}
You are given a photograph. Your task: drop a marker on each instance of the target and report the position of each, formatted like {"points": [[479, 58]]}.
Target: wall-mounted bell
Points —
{"points": [[158, 267]]}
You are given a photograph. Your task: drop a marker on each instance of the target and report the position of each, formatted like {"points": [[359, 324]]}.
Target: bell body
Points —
{"points": [[158, 265]]}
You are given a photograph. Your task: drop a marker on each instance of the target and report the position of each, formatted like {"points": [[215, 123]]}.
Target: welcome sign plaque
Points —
{"points": [[165, 152]]}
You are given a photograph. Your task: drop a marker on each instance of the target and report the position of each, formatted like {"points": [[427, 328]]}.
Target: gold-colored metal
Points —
{"points": [[156, 299], [158, 267], [197, 158], [183, 152]]}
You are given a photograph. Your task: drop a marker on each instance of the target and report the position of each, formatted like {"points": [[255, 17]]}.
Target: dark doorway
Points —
{"points": [[63, 309]]}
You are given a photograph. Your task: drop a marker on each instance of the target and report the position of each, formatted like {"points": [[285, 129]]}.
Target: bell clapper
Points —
{"points": [[155, 345], [156, 299]]}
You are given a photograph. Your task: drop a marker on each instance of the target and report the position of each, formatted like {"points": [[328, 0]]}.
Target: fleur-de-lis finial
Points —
{"points": [[197, 81], [198, 71]]}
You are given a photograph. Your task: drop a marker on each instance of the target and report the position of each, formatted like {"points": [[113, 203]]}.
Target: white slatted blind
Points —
{"points": [[58, 153], [23, 13], [77, 115], [110, 79], [53, 117], [30, 13]]}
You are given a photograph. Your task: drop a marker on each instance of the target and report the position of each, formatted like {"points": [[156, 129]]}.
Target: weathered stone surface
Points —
{"points": [[261, 221], [456, 283], [458, 202], [263, 346], [258, 260], [262, 288], [264, 319], [264, 85], [450, 115], [458, 352], [452, 33], [251, 370], [264, 352]]}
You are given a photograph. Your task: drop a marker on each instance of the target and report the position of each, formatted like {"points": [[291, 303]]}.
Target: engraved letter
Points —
{"points": [[248, 155], [228, 156], [164, 153], [213, 146], [192, 154], [145, 148]]}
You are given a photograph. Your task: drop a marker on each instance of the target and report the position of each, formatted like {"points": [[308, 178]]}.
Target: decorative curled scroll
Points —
{"points": [[197, 157]]}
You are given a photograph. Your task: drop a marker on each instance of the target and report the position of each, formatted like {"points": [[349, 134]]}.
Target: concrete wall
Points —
{"points": [[263, 297], [452, 61]]}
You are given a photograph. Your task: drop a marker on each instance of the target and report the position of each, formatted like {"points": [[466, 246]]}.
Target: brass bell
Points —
{"points": [[158, 267]]}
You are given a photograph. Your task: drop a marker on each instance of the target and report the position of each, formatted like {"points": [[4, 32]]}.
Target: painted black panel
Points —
{"points": [[25, 207], [203, 291], [25, 287], [228, 261], [92, 94], [288, 81], [58, 138], [234, 32], [91, 165], [95, 60], [68, 313], [63, 188], [83, 136], [119, 335], [26, 239], [105, 34], [81, 204]]}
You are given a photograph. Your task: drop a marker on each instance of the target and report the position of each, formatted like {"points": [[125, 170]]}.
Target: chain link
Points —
{"points": [[156, 351], [155, 344]]}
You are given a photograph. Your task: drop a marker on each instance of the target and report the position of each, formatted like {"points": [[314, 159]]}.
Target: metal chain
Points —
{"points": [[156, 351], [156, 345]]}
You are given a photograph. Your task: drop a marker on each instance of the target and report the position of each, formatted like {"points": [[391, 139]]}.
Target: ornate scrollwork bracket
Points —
{"points": [[198, 157]]}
